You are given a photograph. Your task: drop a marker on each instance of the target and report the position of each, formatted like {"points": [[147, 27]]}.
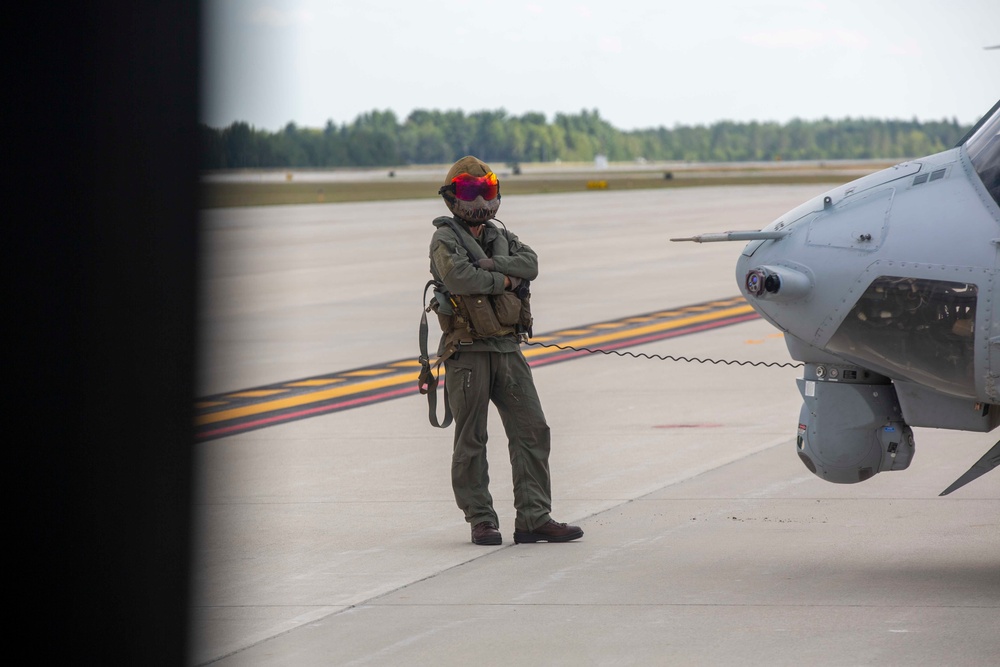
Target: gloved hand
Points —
{"points": [[514, 283], [486, 264]]}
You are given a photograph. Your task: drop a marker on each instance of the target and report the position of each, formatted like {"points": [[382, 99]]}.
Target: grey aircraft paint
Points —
{"points": [[886, 288]]}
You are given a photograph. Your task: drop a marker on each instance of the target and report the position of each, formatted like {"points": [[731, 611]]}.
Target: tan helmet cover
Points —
{"points": [[479, 210]]}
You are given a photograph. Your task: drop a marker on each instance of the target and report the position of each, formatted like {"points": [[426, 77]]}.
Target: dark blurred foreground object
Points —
{"points": [[101, 236]]}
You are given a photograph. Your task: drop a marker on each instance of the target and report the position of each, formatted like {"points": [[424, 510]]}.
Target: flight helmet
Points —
{"points": [[471, 190]]}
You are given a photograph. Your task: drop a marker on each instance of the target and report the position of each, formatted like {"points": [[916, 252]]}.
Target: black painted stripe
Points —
{"points": [[250, 409]]}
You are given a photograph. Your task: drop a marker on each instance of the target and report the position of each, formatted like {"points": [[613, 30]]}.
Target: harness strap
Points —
{"points": [[427, 381]]}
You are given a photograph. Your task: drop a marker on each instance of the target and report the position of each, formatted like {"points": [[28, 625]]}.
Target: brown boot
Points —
{"points": [[549, 532], [485, 532]]}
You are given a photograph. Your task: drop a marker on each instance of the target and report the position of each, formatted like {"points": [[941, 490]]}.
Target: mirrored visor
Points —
{"points": [[468, 187]]}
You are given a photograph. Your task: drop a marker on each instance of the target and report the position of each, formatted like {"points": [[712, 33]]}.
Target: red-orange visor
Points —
{"points": [[468, 187]]}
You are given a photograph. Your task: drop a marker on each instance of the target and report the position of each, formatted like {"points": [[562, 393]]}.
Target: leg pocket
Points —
{"points": [[459, 379]]}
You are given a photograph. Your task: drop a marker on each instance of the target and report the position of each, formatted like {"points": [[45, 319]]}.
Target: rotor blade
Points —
{"points": [[989, 461], [734, 236]]}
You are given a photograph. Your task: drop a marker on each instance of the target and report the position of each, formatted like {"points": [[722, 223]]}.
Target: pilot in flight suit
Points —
{"points": [[483, 307]]}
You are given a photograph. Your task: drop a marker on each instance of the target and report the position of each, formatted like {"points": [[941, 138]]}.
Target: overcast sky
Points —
{"points": [[641, 63]]}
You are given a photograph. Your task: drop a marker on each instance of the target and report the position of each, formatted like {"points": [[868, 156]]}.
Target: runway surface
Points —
{"points": [[334, 539]]}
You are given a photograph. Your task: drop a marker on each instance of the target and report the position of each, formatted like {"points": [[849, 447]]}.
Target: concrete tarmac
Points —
{"points": [[336, 540]]}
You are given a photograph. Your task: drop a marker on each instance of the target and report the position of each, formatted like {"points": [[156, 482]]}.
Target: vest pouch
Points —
{"points": [[445, 313], [441, 303], [481, 316], [524, 321], [508, 308]]}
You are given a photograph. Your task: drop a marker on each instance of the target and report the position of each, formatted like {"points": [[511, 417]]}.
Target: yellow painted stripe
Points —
{"points": [[256, 393], [573, 332], [314, 383], [609, 325], [367, 373], [665, 326], [336, 392], [406, 364], [305, 399], [649, 329]]}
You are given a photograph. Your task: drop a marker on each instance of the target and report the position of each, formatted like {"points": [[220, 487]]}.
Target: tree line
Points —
{"points": [[379, 139]]}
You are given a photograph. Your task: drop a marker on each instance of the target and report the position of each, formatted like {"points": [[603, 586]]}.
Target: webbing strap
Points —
{"points": [[427, 381]]}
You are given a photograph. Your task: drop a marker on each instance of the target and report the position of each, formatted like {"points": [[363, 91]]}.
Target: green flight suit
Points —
{"points": [[492, 369]]}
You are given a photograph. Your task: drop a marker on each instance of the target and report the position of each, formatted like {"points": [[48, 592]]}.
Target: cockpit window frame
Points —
{"points": [[978, 126], [982, 145]]}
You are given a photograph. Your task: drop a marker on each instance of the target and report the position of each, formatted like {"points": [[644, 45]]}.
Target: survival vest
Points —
{"points": [[463, 319]]}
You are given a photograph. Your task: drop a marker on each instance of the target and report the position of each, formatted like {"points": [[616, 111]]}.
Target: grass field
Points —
{"points": [[215, 194]]}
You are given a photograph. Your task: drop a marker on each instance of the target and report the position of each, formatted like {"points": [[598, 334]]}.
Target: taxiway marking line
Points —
{"points": [[639, 332], [371, 385], [264, 421], [303, 399], [242, 426]]}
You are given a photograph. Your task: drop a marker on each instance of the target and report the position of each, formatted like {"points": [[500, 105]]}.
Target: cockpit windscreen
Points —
{"points": [[983, 147]]}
